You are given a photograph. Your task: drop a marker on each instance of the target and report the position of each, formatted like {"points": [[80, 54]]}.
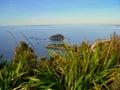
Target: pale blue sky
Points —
{"points": [[31, 12]]}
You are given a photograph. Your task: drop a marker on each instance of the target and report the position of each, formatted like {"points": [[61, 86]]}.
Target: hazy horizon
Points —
{"points": [[50, 12]]}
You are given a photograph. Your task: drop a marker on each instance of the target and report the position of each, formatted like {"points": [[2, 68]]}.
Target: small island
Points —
{"points": [[55, 46], [57, 37]]}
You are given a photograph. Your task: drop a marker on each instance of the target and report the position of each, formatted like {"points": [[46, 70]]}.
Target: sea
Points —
{"points": [[37, 36]]}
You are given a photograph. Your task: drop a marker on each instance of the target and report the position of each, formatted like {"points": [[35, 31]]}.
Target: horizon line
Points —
{"points": [[59, 24]]}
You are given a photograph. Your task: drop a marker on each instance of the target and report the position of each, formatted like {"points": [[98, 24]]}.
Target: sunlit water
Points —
{"points": [[10, 36]]}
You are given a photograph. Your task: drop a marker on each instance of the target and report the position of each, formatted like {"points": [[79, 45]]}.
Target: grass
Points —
{"points": [[74, 68]]}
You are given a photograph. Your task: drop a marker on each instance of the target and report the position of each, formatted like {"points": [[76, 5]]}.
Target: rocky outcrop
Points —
{"points": [[55, 46]]}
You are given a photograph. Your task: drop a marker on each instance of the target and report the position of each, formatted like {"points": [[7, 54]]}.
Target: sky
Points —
{"points": [[41, 12]]}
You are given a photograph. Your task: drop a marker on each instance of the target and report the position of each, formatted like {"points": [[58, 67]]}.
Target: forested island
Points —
{"points": [[57, 37]]}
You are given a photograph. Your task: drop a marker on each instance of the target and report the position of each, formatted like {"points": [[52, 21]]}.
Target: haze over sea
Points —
{"points": [[38, 35]]}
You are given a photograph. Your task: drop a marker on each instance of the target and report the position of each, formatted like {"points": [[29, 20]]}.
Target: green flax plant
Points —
{"points": [[10, 76], [22, 73], [79, 68], [2, 61], [15, 78], [72, 68]]}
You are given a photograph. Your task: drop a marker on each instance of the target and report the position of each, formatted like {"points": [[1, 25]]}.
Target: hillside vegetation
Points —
{"points": [[72, 68]]}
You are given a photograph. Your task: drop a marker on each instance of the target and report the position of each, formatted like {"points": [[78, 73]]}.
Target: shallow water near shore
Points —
{"points": [[36, 36]]}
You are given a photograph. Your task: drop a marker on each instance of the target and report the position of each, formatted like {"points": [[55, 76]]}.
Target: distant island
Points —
{"points": [[57, 37], [38, 25], [117, 25]]}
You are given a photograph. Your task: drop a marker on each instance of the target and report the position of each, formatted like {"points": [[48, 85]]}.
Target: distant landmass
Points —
{"points": [[109, 24], [117, 25], [38, 25]]}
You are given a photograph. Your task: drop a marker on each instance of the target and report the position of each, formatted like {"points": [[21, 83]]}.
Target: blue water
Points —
{"points": [[10, 36]]}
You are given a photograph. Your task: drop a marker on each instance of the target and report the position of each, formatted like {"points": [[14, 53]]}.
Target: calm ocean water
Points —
{"points": [[10, 36]]}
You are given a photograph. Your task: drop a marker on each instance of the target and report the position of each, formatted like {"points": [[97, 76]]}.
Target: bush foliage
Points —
{"points": [[74, 68]]}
